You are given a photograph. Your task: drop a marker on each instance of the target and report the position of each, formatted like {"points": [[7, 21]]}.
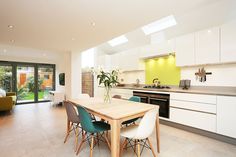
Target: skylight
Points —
{"points": [[118, 41], [159, 25]]}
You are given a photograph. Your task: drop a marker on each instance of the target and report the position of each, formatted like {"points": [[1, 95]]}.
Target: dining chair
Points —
{"points": [[73, 122], [91, 128], [138, 135], [86, 96], [117, 96], [135, 99]]}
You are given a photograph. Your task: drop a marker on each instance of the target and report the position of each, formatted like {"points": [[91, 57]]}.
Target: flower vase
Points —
{"points": [[107, 95]]}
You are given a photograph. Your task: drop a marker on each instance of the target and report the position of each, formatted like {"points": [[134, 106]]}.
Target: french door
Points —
{"points": [[31, 81]]}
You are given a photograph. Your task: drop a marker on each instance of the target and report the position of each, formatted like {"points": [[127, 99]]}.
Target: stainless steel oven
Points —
{"points": [[162, 100]]}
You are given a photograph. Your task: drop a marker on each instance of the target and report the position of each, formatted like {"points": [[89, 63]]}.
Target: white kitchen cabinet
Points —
{"points": [[200, 98], [116, 61], [228, 40], [103, 61], [195, 110], [194, 119], [226, 119], [128, 60], [207, 46], [158, 49], [185, 50]]}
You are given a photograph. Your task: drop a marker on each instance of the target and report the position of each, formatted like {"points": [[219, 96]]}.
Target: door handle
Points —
{"points": [[158, 99]]}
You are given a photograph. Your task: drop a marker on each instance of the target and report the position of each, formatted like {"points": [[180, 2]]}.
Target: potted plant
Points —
{"points": [[108, 79]]}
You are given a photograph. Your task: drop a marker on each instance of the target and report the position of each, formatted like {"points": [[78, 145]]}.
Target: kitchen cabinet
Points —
{"points": [[207, 46], [103, 61], [158, 49], [198, 120], [226, 119], [115, 61], [201, 109], [127, 60], [228, 40], [185, 50]]}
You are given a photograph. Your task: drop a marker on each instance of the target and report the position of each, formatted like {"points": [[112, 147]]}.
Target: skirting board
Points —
{"points": [[200, 132]]}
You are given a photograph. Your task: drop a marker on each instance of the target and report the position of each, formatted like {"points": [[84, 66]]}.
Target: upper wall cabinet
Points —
{"points": [[127, 60], [157, 49], [207, 46], [103, 61], [185, 52], [228, 42], [115, 60]]}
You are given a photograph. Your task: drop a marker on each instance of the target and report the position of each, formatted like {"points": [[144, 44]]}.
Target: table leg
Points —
{"points": [[115, 138], [158, 134]]}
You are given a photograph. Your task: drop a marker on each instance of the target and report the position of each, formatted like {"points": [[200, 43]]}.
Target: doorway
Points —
{"points": [[31, 81]]}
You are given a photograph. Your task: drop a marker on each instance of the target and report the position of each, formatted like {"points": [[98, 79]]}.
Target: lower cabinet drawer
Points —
{"points": [[198, 120]]}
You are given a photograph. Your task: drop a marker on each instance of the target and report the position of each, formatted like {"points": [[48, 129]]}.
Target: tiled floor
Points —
{"points": [[38, 130]]}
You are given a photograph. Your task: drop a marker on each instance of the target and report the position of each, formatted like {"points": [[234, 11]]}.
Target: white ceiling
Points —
{"points": [[51, 24], [201, 17]]}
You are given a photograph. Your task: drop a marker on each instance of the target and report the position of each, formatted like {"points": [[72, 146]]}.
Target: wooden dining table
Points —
{"points": [[115, 112]]}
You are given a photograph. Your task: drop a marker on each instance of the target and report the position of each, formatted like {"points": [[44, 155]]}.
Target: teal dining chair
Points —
{"points": [[91, 129], [131, 121]]}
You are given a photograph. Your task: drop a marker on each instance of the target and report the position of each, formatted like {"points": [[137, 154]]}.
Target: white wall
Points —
{"points": [[21, 54], [131, 77], [76, 71], [222, 75]]}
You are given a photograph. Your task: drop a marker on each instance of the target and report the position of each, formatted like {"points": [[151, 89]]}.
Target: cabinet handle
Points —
{"points": [[158, 99]]}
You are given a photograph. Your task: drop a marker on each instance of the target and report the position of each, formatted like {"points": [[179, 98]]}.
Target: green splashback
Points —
{"points": [[163, 68]]}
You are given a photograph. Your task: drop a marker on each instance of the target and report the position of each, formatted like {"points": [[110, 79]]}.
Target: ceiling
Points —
{"points": [[201, 17], [76, 25]]}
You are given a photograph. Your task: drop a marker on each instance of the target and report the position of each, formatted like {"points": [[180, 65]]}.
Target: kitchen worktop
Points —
{"points": [[209, 90]]}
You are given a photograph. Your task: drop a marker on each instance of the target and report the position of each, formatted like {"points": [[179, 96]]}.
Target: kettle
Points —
{"points": [[156, 82]]}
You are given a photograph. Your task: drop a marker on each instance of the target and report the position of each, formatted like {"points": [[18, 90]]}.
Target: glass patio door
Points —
{"points": [[6, 81], [45, 82], [25, 83]]}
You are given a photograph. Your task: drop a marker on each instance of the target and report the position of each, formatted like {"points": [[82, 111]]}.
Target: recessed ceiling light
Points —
{"points": [[159, 25], [117, 41], [10, 26], [4, 50], [73, 39], [44, 54], [93, 23]]}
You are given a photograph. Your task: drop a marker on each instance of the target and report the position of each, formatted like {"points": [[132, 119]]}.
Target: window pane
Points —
{"points": [[45, 82], [25, 84], [6, 78]]}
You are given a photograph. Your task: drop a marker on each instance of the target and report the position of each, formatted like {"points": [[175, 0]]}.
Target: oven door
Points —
{"points": [[163, 103], [144, 99]]}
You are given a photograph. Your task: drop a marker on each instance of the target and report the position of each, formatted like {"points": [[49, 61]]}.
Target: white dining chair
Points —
{"points": [[137, 135]]}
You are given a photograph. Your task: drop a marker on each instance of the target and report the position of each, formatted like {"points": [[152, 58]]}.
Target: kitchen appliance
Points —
{"points": [[157, 87], [184, 84], [162, 100], [156, 82]]}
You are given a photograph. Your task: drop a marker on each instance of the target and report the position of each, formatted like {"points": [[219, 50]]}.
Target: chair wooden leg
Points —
{"points": [[139, 152], [123, 146], [135, 145], [81, 143], [91, 146], [98, 139], [76, 138], [107, 141], [67, 130], [153, 152]]}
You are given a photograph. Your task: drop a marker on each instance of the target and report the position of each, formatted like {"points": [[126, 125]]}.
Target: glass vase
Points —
{"points": [[107, 95]]}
